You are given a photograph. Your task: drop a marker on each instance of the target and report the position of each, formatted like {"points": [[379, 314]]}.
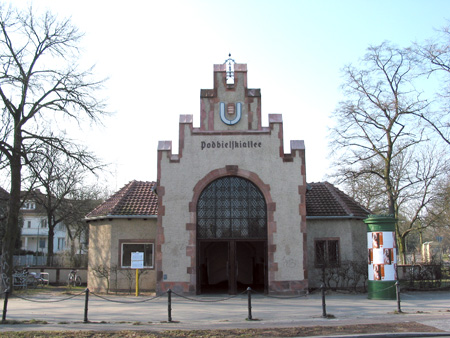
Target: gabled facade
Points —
{"points": [[232, 174]]}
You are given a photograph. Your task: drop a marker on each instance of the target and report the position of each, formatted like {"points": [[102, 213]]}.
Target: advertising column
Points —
{"points": [[382, 257]]}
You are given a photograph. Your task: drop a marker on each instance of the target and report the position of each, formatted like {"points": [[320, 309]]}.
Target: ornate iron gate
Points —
{"points": [[231, 208]]}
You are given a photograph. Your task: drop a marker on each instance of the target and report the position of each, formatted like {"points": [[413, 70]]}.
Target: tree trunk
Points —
{"points": [[51, 235], [402, 249], [12, 225]]}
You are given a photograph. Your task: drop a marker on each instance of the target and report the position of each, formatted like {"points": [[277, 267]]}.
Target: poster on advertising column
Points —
{"points": [[382, 257]]}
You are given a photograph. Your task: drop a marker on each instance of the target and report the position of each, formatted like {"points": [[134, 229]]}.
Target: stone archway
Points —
{"points": [[231, 236]]}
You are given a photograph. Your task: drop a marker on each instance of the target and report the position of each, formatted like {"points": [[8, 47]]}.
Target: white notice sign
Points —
{"points": [[137, 260]]}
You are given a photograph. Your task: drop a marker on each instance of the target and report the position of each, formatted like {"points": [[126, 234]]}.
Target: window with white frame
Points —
{"points": [[127, 248], [44, 223], [61, 243], [42, 243], [28, 205]]}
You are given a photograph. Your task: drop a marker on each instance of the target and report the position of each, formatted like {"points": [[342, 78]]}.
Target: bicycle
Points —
{"points": [[73, 279], [23, 280]]}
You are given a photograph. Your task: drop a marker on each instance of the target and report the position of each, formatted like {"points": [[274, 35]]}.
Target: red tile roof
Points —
{"points": [[139, 199], [134, 199], [325, 200]]}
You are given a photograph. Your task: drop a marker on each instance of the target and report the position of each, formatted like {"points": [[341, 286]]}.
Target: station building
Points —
{"points": [[231, 210]]}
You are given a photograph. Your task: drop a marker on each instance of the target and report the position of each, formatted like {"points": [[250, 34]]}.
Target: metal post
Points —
{"points": [[397, 286], [249, 296], [137, 282], [5, 305], [169, 305], [86, 302], [324, 306]]}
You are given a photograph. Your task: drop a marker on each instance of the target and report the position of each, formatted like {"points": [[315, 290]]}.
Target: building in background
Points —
{"points": [[34, 231]]}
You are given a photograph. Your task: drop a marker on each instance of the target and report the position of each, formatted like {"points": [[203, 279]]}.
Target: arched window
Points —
{"points": [[231, 208]]}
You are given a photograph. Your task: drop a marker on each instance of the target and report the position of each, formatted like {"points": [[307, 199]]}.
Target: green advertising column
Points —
{"points": [[382, 256]]}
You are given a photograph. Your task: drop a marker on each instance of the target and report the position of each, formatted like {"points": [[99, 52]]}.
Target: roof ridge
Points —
{"points": [[115, 199], [127, 189], [135, 198], [337, 194]]}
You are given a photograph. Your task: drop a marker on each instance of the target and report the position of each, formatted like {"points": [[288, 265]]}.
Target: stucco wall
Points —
{"points": [[226, 145], [110, 233], [281, 179], [352, 234]]}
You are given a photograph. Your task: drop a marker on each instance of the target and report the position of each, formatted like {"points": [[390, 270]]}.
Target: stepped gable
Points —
{"points": [[325, 200], [134, 199]]}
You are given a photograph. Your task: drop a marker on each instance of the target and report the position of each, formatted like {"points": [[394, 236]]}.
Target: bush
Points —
{"points": [[348, 275]]}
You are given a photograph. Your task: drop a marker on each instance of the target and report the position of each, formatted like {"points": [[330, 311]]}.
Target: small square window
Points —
{"points": [[129, 248], [326, 252]]}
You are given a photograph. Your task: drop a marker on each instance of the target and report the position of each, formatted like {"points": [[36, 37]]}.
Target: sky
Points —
{"points": [[157, 55]]}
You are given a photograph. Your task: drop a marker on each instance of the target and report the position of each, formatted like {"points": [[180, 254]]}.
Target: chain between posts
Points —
{"points": [[169, 300]]}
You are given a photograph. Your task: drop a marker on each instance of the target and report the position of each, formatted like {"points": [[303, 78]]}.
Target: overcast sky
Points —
{"points": [[159, 54]]}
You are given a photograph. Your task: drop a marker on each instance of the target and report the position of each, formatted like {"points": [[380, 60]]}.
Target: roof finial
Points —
{"points": [[230, 69]]}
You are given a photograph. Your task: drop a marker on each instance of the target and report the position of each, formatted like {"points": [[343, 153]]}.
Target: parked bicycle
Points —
{"points": [[41, 278], [23, 279], [73, 279]]}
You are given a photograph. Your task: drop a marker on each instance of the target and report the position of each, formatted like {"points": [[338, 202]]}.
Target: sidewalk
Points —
{"points": [[204, 312]]}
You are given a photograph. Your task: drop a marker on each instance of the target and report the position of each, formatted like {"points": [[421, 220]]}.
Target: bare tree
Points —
{"points": [[419, 177], [435, 54], [379, 131], [61, 176], [81, 202], [438, 215], [4, 198], [365, 188], [39, 83]]}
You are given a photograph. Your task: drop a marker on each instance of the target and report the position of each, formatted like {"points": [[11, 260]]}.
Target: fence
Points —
{"points": [[170, 295], [424, 276], [58, 259], [29, 260]]}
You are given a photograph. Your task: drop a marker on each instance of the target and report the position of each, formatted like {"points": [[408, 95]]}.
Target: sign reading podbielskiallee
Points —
{"points": [[231, 145]]}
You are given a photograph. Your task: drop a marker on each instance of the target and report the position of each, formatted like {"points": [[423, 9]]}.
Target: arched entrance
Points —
{"points": [[231, 237]]}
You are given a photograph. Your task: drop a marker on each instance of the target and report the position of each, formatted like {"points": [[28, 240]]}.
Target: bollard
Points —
{"points": [[169, 305], [397, 286], [249, 295], [5, 305], [324, 307], [86, 302]]}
